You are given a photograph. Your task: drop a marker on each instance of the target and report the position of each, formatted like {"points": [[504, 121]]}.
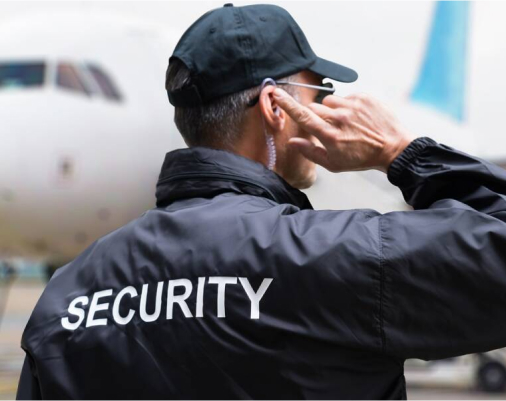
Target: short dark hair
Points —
{"points": [[216, 124]]}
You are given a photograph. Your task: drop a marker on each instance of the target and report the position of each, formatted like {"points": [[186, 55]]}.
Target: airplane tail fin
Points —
{"points": [[442, 80]]}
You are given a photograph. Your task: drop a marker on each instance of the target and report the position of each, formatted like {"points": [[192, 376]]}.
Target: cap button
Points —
{"points": [[228, 5]]}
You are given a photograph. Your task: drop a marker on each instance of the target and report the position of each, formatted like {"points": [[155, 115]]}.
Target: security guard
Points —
{"points": [[234, 287]]}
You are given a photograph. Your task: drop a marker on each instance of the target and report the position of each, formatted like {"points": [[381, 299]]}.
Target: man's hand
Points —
{"points": [[357, 132]]}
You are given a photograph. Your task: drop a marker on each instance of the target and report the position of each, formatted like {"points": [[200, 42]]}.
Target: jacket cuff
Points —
{"points": [[407, 156]]}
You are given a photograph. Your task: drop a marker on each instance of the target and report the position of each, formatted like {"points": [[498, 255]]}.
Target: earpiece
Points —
{"points": [[266, 81], [268, 137]]}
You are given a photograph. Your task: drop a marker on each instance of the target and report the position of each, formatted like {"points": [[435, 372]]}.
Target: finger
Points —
{"points": [[303, 116], [335, 102], [322, 111], [336, 117], [309, 150]]}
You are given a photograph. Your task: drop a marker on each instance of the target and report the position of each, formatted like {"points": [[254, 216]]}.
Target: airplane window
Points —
{"points": [[105, 83], [21, 74], [67, 77]]}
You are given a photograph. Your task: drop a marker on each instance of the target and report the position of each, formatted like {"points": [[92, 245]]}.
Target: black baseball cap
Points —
{"points": [[230, 49]]}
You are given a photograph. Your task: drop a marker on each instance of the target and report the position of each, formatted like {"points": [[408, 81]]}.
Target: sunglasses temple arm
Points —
{"points": [[323, 88]]}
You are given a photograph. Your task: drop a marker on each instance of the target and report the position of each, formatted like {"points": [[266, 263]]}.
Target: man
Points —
{"points": [[233, 286]]}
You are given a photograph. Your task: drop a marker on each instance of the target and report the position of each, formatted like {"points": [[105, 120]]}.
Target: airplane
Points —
{"points": [[85, 121], [83, 132]]}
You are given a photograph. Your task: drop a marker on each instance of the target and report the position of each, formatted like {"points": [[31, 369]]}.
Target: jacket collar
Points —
{"points": [[206, 172]]}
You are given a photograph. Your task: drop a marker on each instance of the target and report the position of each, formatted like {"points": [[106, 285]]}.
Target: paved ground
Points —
{"points": [[22, 298]]}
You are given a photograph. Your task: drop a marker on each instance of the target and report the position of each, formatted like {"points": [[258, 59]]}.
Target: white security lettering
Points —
{"points": [[255, 297], [74, 310], [222, 282], [158, 306], [200, 297], [115, 308], [77, 309], [179, 299], [96, 307]]}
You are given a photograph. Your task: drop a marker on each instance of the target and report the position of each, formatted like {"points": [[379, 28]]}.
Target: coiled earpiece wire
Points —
{"points": [[269, 138]]}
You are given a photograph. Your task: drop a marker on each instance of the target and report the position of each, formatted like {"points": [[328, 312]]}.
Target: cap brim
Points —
{"points": [[329, 69]]}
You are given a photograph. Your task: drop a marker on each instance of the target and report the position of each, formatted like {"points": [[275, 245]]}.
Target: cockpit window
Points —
{"points": [[81, 78], [68, 77], [22, 74], [105, 83]]}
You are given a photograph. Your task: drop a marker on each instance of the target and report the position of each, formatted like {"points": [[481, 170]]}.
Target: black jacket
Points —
{"points": [[234, 287]]}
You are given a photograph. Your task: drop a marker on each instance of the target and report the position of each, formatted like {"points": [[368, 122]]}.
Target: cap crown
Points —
{"points": [[230, 49]]}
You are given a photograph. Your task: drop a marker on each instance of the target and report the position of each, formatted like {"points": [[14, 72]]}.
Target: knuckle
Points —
{"points": [[343, 116], [302, 116], [294, 112], [359, 100], [361, 96], [366, 99]]}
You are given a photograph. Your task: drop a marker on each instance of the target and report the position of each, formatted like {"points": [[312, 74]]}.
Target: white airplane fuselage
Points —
{"points": [[75, 166]]}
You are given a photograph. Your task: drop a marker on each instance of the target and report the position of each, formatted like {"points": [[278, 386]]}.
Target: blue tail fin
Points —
{"points": [[442, 80]]}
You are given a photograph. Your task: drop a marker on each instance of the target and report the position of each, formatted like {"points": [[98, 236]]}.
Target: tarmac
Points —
{"points": [[18, 301]]}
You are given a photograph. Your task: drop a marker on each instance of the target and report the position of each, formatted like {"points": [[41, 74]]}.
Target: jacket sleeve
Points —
{"points": [[28, 387], [443, 264]]}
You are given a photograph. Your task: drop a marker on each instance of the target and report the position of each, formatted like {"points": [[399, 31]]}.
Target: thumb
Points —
{"points": [[309, 150]]}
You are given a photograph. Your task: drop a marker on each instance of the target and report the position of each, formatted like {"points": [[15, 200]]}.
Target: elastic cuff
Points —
{"points": [[407, 156]]}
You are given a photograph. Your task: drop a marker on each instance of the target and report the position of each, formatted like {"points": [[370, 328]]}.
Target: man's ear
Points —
{"points": [[273, 115]]}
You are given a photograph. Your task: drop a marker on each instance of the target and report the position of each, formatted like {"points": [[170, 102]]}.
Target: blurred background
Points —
{"points": [[85, 124]]}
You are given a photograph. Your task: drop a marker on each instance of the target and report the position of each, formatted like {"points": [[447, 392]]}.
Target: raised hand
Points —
{"points": [[356, 132]]}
